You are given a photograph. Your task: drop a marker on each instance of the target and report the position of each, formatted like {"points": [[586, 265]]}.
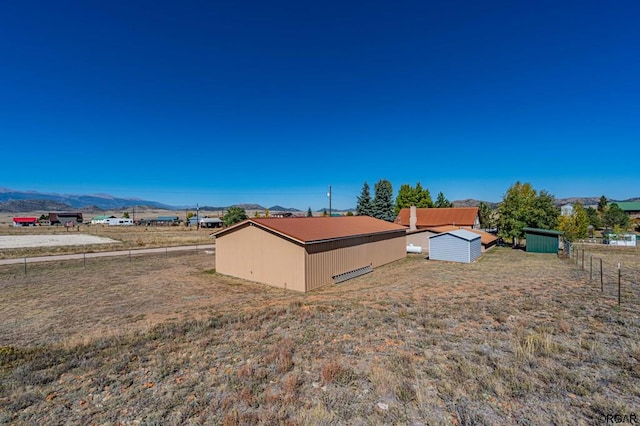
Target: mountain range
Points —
{"points": [[13, 201]]}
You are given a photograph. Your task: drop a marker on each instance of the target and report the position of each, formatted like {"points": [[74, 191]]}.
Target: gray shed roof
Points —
{"points": [[461, 233]]}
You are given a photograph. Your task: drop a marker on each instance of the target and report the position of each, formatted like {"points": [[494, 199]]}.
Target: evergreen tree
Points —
{"points": [[382, 204], [309, 213], [615, 216], [442, 202], [602, 204], [594, 218], [365, 204]]}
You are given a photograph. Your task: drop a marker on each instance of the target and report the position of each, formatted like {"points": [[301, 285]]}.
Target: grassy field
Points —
{"points": [[514, 338]]}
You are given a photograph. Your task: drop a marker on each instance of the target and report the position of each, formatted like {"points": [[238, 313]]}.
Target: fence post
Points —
{"points": [[619, 292], [583, 259], [84, 260], [601, 281], [591, 268], [25, 266], [129, 255]]}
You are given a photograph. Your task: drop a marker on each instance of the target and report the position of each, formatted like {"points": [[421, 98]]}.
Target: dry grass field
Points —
{"points": [[514, 338], [128, 237]]}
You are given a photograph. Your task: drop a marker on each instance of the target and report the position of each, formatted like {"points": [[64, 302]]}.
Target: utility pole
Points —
{"points": [[197, 216], [329, 195]]}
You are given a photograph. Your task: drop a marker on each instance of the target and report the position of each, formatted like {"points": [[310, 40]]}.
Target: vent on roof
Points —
{"points": [[352, 274]]}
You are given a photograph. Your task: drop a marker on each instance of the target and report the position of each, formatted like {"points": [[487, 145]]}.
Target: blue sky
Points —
{"points": [[218, 103]]}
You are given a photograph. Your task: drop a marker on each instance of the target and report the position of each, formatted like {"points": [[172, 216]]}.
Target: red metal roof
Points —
{"points": [[430, 217], [25, 219], [314, 229], [485, 237]]}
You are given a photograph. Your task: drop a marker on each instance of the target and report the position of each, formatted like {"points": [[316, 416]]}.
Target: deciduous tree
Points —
{"points": [[574, 226], [412, 196], [485, 214], [234, 215], [522, 207]]}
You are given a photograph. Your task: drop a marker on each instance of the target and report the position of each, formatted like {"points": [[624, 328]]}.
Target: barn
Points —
{"points": [[25, 221], [542, 240], [458, 245], [307, 253]]}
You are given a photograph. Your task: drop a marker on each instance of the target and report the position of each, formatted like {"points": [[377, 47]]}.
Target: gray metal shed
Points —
{"points": [[455, 246]]}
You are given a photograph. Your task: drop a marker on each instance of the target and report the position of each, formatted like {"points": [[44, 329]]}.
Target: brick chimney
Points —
{"points": [[413, 219]]}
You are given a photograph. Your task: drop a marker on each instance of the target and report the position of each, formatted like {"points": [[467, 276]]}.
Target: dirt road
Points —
{"points": [[207, 247]]}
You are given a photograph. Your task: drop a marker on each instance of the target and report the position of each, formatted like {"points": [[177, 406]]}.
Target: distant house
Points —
{"points": [[206, 222], [460, 245], [631, 208], [25, 221], [167, 220], [307, 253], [65, 218], [421, 218], [566, 209]]}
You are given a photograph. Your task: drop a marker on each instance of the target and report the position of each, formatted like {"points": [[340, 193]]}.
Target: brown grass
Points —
{"points": [[128, 237], [513, 338]]}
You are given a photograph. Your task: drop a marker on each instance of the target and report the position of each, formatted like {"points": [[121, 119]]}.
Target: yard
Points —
{"points": [[514, 338]]}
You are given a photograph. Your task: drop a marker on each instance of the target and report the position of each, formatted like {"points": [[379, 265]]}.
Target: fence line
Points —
{"points": [[615, 279], [130, 253]]}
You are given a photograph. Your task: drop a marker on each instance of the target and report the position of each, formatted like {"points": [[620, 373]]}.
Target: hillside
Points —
{"points": [[25, 200]]}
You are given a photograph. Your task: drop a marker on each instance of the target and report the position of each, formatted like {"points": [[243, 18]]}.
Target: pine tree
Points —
{"points": [[309, 214], [442, 202], [383, 207], [364, 207]]}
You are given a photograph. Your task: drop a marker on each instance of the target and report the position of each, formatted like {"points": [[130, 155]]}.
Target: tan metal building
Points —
{"points": [[307, 253]]}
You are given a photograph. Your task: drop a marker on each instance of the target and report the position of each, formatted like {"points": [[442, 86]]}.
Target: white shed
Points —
{"points": [[455, 246]]}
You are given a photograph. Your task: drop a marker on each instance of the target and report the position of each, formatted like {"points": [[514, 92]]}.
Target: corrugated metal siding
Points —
{"points": [[475, 249], [338, 257], [454, 249], [448, 247], [541, 243], [253, 254]]}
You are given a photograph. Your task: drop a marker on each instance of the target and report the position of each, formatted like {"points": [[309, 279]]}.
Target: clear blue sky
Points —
{"points": [[269, 102]]}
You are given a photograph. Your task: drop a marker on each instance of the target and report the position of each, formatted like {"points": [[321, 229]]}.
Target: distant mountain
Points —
{"points": [[470, 202], [21, 206], [102, 201], [277, 208], [589, 201], [335, 210]]}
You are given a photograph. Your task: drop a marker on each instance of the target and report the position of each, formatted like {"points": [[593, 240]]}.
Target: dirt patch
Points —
{"points": [[28, 241]]}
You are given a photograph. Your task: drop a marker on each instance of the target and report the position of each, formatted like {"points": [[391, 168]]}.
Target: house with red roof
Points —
{"points": [[25, 221]]}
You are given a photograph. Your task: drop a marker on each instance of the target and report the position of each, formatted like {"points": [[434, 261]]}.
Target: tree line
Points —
{"points": [[522, 206], [383, 206]]}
